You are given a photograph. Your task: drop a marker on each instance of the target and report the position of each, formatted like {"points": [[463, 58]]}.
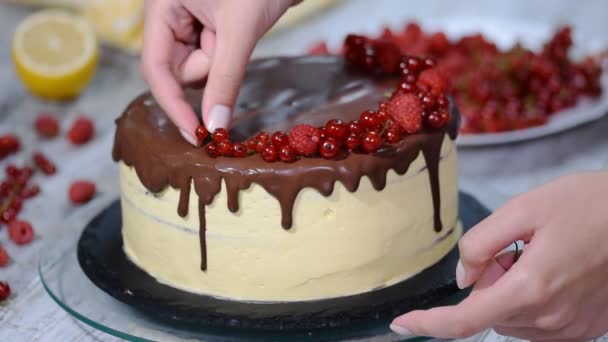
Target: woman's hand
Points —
{"points": [[557, 290], [186, 41]]}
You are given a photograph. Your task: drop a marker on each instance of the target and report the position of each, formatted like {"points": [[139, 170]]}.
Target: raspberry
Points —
{"points": [[21, 232], [44, 164], [406, 110], [9, 144], [305, 139], [82, 131], [4, 258], [81, 191], [319, 49], [46, 125], [434, 80]]}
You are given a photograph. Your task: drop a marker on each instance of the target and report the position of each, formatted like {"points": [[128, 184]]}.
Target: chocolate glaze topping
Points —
{"points": [[277, 94]]}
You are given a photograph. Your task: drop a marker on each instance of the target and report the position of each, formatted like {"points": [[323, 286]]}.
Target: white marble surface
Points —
{"points": [[492, 174]]}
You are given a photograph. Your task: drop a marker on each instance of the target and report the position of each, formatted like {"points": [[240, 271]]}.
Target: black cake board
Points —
{"points": [[103, 260]]}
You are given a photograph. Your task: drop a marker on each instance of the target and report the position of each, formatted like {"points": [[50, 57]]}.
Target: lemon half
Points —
{"points": [[55, 54]]}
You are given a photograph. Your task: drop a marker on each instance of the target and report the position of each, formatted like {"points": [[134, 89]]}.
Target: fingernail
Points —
{"points": [[401, 330], [461, 276], [189, 137], [219, 117]]}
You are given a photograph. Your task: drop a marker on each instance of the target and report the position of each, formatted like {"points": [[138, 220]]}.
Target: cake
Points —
{"points": [[245, 229]]}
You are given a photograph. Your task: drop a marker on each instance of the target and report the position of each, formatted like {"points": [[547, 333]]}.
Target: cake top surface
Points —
{"points": [[276, 94]]}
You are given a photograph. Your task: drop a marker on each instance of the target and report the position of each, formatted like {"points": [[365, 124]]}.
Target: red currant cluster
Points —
{"points": [[495, 90], [418, 100]]}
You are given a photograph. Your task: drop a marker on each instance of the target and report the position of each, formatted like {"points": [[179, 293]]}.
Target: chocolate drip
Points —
{"points": [[431, 151], [202, 233], [277, 94]]}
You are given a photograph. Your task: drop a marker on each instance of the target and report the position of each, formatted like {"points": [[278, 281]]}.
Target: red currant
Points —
{"points": [[287, 154], [369, 120], [225, 148], [201, 133], [239, 150], [392, 136], [269, 154], [407, 87], [354, 127], [260, 145], [280, 139], [434, 120], [220, 134], [371, 142], [414, 64], [213, 149], [352, 142], [383, 116], [252, 143], [329, 148], [429, 63], [263, 137], [12, 171], [336, 129]]}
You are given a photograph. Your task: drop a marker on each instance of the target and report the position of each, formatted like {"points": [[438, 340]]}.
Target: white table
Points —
{"points": [[32, 316]]}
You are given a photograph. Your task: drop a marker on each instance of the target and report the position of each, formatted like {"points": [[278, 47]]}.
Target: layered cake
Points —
{"points": [[247, 229]]}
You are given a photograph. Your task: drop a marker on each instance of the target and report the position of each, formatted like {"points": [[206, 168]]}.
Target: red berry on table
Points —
{"points": [[388, 56], [21, 232], [354, 127], [212, 149], [5, 291], [287, 154], [201, 133], [220, 135], [392, 136], [406, 110], [352, 142], [4, 258], [225, 148], [81, 191], [279, 139], [46, 125], [9, 144], [12, 171], [82, 131], [269, 154], [336, 129], [434, 80], [369, 120], [31, 191], [329, 148], [371, 141], [239, 150], [8, 215], [305, 139], [44, 164]]}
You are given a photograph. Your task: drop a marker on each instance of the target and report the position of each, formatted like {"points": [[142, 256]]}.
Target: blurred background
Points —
{"points": [[493, 173]]}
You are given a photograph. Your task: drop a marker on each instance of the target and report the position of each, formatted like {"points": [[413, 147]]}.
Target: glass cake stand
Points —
{"points": [[64, 280]]}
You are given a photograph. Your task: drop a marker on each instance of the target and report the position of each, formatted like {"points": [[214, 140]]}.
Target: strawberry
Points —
{"points": [[388, 56], [434, 80], [305, 139], [82, 131], [46, 125], [81, 191], [319, 49], [406, 110]]}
